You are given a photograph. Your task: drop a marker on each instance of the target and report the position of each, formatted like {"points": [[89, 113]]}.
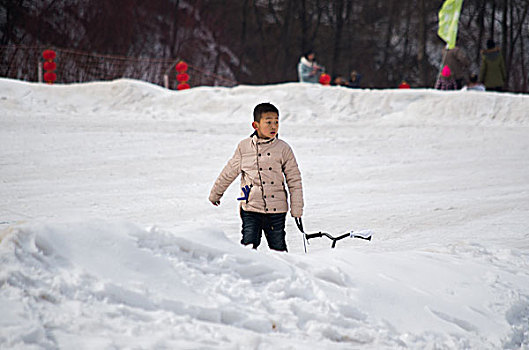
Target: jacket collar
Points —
{"points": [[259, 141], [494, 49], [492, 54]]}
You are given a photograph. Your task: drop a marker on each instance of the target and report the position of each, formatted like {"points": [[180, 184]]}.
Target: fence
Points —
{"points": [[73, 66]]}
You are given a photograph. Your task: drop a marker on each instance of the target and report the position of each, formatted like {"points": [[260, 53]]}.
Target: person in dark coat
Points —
{"points": [[492, 72], [458, 62], [355, 80]]}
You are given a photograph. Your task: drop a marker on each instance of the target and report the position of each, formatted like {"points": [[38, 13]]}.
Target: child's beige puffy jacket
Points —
{"points": [[263, 165]]}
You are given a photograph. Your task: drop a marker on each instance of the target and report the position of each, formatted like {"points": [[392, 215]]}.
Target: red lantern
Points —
{"points": [[50, 77], [48, 55], [182, 77], [325, 79], [181, 67], [49, 66]]}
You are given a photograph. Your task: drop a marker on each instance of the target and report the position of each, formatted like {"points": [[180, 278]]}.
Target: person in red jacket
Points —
{"points": [[404, 85]]}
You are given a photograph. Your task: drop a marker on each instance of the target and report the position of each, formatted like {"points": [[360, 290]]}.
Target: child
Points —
{"points": [[264, 162], [474, 84], [446, 81]]}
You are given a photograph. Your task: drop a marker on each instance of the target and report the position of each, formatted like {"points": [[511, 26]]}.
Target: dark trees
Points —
{"points": [[260, 41]]}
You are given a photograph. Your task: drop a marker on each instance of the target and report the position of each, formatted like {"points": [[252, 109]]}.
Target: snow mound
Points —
{"points": [[79, 276], [107, 239], [304, 103], [104, 281]]}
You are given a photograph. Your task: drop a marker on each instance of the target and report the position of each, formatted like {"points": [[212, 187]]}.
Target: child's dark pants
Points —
{"points": [[273, 226]]}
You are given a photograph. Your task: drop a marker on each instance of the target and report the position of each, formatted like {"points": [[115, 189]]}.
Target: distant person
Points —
{"points": [[264, 162], [354, 82], [404, 85], [325, 79], [445, 80], [308, 70], [474, 84], [492, 71], [339, 81], [458, 62]]}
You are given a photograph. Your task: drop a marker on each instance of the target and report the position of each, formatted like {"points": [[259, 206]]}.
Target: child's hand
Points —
{"points": [[215, 203]]}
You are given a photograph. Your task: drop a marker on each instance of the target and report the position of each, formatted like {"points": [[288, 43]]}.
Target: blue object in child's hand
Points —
{"points": [[246, 191]]}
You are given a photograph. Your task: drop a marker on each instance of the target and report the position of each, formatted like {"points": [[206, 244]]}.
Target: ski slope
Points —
{"points": [[108, 241]]}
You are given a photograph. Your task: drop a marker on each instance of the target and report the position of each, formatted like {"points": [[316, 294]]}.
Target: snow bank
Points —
{"points": [[299, 103], [107, 239], [108, 282]]}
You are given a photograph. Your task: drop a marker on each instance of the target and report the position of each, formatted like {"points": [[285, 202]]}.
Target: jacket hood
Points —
{"points": [[306, 62], [491, 54]]}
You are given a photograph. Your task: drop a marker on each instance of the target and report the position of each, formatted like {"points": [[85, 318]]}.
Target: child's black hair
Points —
{"points": [[263, 108]]}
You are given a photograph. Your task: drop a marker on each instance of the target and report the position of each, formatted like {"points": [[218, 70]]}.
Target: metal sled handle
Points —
{"points": [[333, 239]]}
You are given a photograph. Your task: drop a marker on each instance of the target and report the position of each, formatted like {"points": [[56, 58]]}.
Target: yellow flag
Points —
{"points": [[448, 21]]}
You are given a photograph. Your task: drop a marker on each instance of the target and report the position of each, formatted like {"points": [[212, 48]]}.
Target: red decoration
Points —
{"points": [[181, 67], [49, 55], [49, 66], [182, 77], [50, 77], [325, 79]]}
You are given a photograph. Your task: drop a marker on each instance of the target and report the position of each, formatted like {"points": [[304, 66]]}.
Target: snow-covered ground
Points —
{"points": [[108, 240]]}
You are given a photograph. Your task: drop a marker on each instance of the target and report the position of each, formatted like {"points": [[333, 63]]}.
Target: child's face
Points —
{"points": [[268, 126]]}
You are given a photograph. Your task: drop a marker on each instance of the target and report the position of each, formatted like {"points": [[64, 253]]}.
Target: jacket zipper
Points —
{"points": [[259, 172]]}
